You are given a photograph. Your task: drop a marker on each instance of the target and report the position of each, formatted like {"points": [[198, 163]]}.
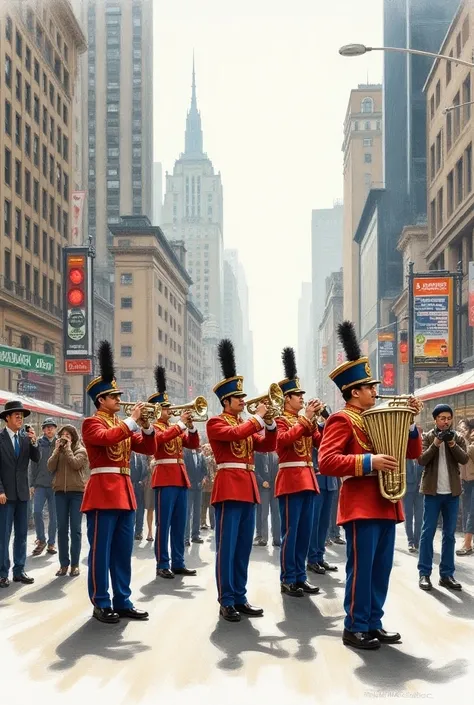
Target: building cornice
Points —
{"points": [[65, 13], [443, 47], [409, 232], [194, 311]]}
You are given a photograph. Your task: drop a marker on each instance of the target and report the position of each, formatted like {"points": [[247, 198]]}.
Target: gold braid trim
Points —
{"points": [[173, 447], [359, 460], [244, 448], [303, 446], [358, 429], [120, 452]]}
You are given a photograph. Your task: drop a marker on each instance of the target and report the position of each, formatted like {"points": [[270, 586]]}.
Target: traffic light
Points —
{"points": [[403, 347], [78, 332]]}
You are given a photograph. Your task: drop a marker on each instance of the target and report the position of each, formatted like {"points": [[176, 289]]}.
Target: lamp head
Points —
{"points": [[353, 50]]}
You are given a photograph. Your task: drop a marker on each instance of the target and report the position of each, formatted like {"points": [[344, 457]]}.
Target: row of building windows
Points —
{"points": [[26, 283], [458, 186], [461, 39], [26, 233]]}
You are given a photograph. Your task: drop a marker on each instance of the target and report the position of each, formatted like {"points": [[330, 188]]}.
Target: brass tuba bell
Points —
{"points": [[274, 398], [199, 408]]}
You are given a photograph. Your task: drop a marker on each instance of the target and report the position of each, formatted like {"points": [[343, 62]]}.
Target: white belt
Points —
{"points": [[116, 471], [296, 464], [235, 466], [168, 461]]}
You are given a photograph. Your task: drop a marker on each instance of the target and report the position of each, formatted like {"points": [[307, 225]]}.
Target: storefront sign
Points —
{"points": [[387, 362], [433, 329], [78, 367], [16, 358]]}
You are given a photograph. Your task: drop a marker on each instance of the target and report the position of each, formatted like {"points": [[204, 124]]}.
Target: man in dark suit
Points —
{"points": [[197, 470], [138, 476], [17, 448]]}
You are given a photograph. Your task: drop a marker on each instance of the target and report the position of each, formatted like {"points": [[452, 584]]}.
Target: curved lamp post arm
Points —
{"points": [[360, 49]]}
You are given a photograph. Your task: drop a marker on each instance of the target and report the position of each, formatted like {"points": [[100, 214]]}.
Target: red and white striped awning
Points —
{"points": [[40, 407]]}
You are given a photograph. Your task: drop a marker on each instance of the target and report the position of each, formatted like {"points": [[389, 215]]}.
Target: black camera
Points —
{"points": [[447, 435]]}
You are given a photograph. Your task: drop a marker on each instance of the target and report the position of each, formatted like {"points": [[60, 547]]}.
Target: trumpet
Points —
{"points": [[325, 411], [150, 411], [273, 398], [199, 408]]}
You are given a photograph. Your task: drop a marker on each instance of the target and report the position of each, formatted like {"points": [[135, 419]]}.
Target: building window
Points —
{"points": [[468, 167], [126, 374], [8, 167], [126, 327], [367, 158], [126, 279], [126, 302], [8, 117], [457, 116], [367, 142], [432, 107], [466, 99], [459, 181], [7, 218], [126, 351], [449, 130], [367, 106], [438, 90], [450, 193]]}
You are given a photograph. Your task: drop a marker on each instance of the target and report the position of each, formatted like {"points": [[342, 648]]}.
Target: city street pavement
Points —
{"points": [[52, 650]]}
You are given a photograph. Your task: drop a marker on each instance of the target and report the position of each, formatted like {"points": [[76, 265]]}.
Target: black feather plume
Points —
{"points": [[289, 363], [225, 350], [348, 338], [106, 361], [160, 379]]}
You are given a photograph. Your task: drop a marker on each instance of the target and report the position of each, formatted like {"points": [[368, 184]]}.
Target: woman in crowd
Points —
{"points": [[69, 465], [466, 428]]}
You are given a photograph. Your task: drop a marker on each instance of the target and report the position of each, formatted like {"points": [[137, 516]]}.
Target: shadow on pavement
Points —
{"points": [[459, 603], [96, 639], [177, 587], [53, 590], [234, 639]]}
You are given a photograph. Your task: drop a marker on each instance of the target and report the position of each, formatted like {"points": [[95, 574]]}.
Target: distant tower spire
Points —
{"points": [[193, 141]]}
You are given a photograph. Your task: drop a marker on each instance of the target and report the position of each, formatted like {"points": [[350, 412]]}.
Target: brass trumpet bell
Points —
{"points": [[274, 398], [199, 408], [150, 411]]}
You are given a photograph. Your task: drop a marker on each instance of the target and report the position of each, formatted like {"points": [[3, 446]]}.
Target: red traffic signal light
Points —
{"points": [[75, 297], [76, 276]]}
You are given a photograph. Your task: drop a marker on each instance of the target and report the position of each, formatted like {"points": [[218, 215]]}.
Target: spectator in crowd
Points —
{"points": [[197, 471], [275, 520], [467, 480], [138, 476], [207, 486], [334, 533], [413, 504], [321, 517], [41, 490], [263, 481], [149, 498], [443, 451], [16, 451], [260, 460], [68, 467]]}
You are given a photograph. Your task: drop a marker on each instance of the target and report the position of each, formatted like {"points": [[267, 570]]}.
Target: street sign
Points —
{"points": [[27, 360], [78, 367]]}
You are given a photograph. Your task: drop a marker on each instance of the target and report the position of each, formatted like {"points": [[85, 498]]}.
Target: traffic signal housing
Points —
{"points": [[77, 316]]}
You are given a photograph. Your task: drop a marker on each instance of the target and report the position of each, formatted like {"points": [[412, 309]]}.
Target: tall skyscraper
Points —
{"points": [[120, 130], [193, 213], [363, 170]]}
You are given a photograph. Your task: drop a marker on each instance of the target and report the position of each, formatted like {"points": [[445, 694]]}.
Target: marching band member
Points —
{"points": [[109, 501], [235, 491], [170, 482], [296, 483], [368, 518]]}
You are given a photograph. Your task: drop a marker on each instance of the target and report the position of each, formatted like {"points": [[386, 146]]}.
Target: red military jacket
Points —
{"points": [[345, 452], [232, 441], [295, 440], [170, 440], [109, 442]]}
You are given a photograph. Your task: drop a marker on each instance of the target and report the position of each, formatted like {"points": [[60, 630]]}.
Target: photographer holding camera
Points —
{"points": [[443, 451]]}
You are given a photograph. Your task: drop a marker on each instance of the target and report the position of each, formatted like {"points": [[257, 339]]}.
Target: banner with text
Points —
{"points": [[77, 235], [471, 293], [433, 322], [387, 362]]}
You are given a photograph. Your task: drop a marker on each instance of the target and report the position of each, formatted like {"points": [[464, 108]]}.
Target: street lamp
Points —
{"points": [[360, 49]]}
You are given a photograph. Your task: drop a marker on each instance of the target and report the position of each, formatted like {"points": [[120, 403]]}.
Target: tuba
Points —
{"points": [[387, 428], [274, 398], [199, 408], [151, 412]]}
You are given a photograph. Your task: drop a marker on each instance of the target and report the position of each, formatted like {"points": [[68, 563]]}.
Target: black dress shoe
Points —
{"points": [[449, 582], [4, 582], [197, 540], [106, 615], [132, 613], [291, 589], [360, 640], [424, 582], [23, 578], [249, 610], [326, 566], [385, 637], [230, 614], [316, 568], [307, 587], [184, 571], [164, 573]]}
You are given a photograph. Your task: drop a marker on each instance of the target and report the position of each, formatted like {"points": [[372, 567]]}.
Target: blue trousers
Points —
{"points": [[235, 525], [296, 513], [110, 534], [269, 505], [41, 496], [13, 515], [170, 522], [334, 529], [413, 506], [468, 506], [322, 514], [140, 514], [193, 515], [370, 548], [68, 512], [432, 506]]}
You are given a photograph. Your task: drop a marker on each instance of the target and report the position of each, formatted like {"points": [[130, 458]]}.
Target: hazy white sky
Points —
{"points": [[272, 91]]}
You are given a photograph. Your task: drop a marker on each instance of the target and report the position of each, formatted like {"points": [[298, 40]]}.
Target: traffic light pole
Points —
{"points": [[88, 378], [411, 346]]}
